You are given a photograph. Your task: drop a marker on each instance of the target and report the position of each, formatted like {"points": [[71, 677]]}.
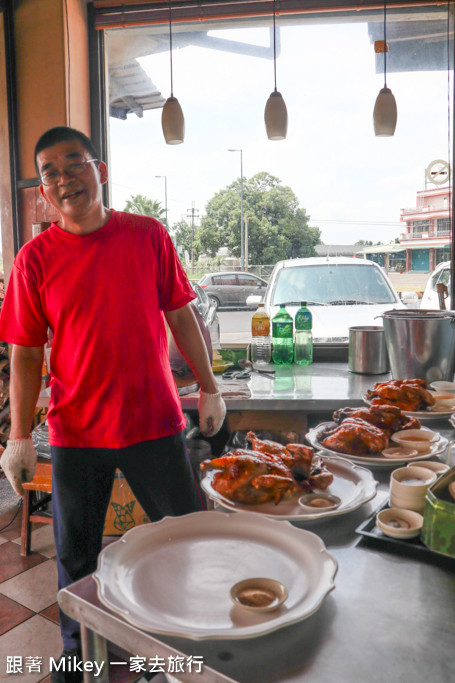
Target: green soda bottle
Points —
{"points": [[282, 337], [303, 348]]}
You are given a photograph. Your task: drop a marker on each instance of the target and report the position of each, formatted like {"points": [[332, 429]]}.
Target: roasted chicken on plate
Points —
{"points": [[388, 418], [268, 473], [407, 394], [355, 436], [365, 431]]}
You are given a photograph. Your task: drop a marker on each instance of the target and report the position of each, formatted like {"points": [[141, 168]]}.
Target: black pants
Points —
{"points": [[160, 476]]}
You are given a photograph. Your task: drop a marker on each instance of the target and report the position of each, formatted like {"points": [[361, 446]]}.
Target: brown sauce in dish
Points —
{"points": [[416, 438], [398, 523], [319, 503], [256, 597]]}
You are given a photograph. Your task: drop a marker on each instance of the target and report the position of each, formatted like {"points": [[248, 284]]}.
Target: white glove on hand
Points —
{"points": [[212, 411], [19, 462]]}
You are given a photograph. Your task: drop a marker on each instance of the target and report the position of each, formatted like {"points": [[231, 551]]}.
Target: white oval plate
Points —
{"points": [[378, 460], [174, 576], [352, 484], [422, 414]]}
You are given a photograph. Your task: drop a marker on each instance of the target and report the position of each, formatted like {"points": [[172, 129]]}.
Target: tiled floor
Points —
{"points": [[28, 593], [28, 601]]}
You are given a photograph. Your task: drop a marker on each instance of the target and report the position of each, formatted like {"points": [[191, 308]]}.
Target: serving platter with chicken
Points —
{"points": [[271, 478], [362, 434], [412, 396]]}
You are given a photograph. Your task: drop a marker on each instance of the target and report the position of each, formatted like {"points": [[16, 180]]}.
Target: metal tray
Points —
{"points": [[410, 547]]}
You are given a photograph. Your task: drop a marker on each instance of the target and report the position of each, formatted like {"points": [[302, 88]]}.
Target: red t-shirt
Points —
{"points": [[103, 295]]}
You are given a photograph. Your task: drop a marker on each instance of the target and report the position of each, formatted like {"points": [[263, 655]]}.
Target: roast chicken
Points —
{"points": [[355, 437], [407, 394], [388, 418], [268, 473]]}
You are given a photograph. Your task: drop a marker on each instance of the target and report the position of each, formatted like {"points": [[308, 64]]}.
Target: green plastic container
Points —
{"points": [[233, 355], [438, 531]]}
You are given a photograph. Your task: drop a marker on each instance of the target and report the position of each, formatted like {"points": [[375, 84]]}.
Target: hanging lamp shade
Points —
{"points": [[276, 117], [385, 113], [173, 122]]}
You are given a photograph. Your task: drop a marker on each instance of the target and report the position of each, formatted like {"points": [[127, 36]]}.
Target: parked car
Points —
{"points": [[340, 293], [207, 317], [430, 298], [231, 289]]}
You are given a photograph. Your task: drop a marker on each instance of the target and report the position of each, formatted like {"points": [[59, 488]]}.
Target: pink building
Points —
{"points": [[428, 236]]}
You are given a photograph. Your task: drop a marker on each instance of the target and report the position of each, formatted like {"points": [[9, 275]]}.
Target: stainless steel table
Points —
{"points": [[320, 387], [390, 618]]}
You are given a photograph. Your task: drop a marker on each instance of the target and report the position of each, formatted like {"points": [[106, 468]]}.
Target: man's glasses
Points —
{"points": [[53, 177]]}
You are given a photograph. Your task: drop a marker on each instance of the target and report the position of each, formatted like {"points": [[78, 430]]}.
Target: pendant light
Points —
{"points": [[172, 120], [385, 109], [275, 114]]}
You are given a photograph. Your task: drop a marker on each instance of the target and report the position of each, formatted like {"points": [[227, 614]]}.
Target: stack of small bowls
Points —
{"points": [[409, 486]]}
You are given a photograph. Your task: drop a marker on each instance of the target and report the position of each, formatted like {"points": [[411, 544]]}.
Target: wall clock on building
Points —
{"points": [[438, 172]]}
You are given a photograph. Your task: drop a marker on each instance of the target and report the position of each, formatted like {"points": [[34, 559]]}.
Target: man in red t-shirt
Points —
{"points": [[104, 282]]}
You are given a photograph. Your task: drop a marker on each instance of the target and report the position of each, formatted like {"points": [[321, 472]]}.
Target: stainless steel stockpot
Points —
{"points": [[420, 343]]}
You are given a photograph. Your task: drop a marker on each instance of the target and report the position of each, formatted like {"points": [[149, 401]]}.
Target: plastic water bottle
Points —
{"points": [[261, 343], [283, 337], [303, 348]]}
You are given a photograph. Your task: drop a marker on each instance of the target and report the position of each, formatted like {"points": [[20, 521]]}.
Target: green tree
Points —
{"points": [[184, 236], [144, 206], [277, 227]]}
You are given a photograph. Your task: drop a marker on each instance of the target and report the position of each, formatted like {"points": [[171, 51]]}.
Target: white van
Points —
{"points": [[430, 297]]}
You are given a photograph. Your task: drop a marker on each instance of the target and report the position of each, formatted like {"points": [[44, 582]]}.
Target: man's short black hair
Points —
{"points": [[63, 134]]}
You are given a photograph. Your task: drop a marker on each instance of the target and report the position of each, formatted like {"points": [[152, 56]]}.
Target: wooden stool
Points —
{"points": [[42, 481]]}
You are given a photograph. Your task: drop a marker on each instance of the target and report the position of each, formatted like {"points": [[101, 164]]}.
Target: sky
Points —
{"points": [[351, 183]]}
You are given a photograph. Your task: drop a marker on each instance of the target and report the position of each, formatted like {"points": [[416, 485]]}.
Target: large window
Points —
{"points": [[349, 184]]}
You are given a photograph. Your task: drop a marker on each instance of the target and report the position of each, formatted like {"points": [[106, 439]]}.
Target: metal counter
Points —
{"points": [[314, 388], [390, 618]]}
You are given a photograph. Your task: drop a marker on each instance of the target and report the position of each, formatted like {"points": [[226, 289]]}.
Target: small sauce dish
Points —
{"points": [[443, 386], [259, 594], [399, 523], [416, 439], [319, 502], [399, 452], [444, 401], [438, 467]]}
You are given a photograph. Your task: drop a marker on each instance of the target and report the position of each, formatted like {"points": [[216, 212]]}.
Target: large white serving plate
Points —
{"points": [[174, 576], [352, 484], [427, 415], [377, 460]]}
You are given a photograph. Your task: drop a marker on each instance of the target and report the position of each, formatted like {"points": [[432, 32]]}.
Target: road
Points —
{"points": [[235, 326]]}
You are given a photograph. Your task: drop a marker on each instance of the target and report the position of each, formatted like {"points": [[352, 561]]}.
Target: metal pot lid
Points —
{"points": [[418, 313]]}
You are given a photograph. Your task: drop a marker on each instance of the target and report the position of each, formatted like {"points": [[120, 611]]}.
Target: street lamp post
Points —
{"points": [[242, 225], [165, 197]]}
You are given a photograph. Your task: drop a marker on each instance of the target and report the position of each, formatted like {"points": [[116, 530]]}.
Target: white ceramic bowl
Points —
{"points": [[399, 452], [408, 487], [443, 386], [259, 594], [319, 502], [438, 467], [418, 439], [399, 523], [444, 401], [441, 394]]}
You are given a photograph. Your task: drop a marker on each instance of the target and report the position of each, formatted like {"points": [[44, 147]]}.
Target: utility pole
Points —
{"points": [[242, 226], [191, 214], [247, 220]]}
